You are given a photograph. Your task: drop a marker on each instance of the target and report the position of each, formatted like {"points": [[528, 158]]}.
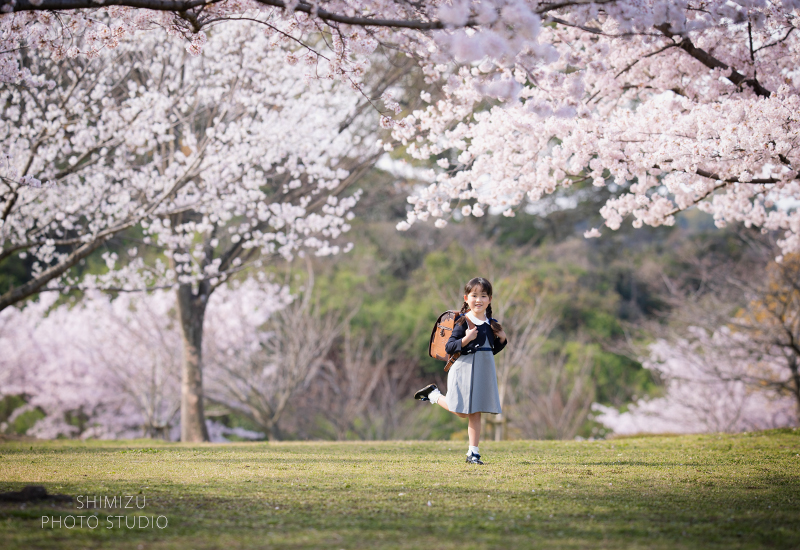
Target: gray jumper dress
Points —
{"points": [[472, 380]]}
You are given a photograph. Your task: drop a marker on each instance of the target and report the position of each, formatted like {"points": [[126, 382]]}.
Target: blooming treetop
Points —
{"points": [[214, 162], [675, 106], [675, 102], [507, 33], [219, 159], [83, 27]]}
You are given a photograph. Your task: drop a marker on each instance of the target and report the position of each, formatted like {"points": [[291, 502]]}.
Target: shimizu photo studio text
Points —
{"points": [[97, 516]]}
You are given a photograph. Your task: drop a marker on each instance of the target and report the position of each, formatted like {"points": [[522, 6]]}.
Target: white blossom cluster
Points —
{"points": [[233, 150], [677, 103], [674, 105], [498, 34], [86, 33], [706, 389]]}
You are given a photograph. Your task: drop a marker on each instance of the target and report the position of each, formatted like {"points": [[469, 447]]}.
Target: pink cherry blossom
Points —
{"points": [[674, 105], [706, 389], [115, 364]]}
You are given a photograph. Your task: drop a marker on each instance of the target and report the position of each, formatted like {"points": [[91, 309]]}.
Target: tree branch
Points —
{"points": [[68, 5], [35, 285], [651, 54], [754, 181], [182, 7], [737, 78]]}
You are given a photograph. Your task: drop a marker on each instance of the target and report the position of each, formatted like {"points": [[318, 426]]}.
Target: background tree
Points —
{"points": [[211, 164], [724, 352], [553, 394], [58, 358], [771, 325], [526, 320], [74, 384], [708, 388], [350, 384], [260, 381], [601, 296]]}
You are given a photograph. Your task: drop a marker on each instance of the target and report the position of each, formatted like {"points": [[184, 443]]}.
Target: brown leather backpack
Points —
{"points": [[441, 334]]}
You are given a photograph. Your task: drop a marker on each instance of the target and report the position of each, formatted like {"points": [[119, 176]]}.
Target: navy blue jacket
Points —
{"points": [[484, 331]]}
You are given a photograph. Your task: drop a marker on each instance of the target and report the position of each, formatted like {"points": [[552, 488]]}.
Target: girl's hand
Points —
{"points": [[499, 333], [471, 334]]}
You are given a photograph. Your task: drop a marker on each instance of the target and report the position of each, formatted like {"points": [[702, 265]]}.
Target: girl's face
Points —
{"points": [[478, 300]]}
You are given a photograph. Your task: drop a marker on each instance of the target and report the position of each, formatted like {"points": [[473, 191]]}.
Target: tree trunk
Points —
{"points": [[273, 433], [192, 309], [796, 379]]}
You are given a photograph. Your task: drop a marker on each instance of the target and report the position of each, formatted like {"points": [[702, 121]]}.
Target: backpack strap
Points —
{"points": [[470, 324], [457, 354]]}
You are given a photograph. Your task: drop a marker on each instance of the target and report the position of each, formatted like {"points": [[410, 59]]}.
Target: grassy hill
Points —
{"points": [[707, 491]]}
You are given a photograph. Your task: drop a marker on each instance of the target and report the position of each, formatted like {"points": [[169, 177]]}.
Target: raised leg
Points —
{"points": [[443, 404]]}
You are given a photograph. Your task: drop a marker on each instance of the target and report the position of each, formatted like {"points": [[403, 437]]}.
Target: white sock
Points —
{"points": [[434, 396], [472, 451]]}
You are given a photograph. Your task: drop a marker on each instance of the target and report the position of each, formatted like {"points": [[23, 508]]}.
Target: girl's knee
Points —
{"points": [[475, 415], [461, 415]]}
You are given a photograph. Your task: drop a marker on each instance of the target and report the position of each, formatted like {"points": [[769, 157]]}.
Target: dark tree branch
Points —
{"points": [[771, 44], [182, 9], [36, 284], [722, 183], [737, 78], [593, 30], [69, 5], [754, 181], [651, 54]]}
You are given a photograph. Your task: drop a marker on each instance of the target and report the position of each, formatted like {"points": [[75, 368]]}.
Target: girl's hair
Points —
{"points": [[486, 286]]}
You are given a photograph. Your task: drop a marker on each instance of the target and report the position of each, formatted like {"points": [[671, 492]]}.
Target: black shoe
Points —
{"points": [[423, 394], [472, 458]]}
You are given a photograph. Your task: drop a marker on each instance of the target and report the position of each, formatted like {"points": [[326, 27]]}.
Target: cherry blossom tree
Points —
{"points": [[220, 163], [674, 103], [82, 27], [735, 367], [708, 388], [259, 381], [124, 140], [58, 357]]}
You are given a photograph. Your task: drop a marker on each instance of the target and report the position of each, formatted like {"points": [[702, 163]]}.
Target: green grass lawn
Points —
{"points": [[709, 491]]}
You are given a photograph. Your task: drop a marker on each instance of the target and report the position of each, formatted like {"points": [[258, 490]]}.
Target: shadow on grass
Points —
{"points": [[559, 517]]}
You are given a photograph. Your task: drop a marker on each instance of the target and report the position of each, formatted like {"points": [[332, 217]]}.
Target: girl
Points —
{"points": [[472, 381]]}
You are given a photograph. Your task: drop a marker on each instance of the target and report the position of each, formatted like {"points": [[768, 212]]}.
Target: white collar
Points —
{"points": [[471, 316]]}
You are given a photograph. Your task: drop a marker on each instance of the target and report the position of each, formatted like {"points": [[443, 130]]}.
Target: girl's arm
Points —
{"points": [[454, 343], [498, 345], [500, 338]]}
